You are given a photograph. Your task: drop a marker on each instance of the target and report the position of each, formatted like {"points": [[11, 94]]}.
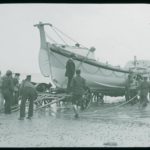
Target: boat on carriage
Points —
{"points": [[107, 79]]}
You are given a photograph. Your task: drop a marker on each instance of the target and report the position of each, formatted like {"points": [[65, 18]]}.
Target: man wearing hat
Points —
{"points": [[143, 91], [7, 91], [70, 70], [27, 92], [78, 86], [16, 89]]}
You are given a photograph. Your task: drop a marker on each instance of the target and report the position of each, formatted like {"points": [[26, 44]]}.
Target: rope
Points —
{"points": [[50, 38], [68, 36], [54, 29], [59, 36], [83, 59], [117, 105]]}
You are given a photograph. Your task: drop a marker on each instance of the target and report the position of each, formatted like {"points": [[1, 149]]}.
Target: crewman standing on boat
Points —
{"points": [[78, 86], [144, 88], [7, 91], [27, 92], [70, 70]]}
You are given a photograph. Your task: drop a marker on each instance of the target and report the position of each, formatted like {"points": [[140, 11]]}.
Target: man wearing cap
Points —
{"points": [[143, 92], [16, 89], [27, 92], [70, 70], [78, 86], [7, 91]]}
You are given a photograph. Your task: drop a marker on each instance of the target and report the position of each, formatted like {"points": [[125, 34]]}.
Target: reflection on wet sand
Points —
{"points": [[56, 126]]}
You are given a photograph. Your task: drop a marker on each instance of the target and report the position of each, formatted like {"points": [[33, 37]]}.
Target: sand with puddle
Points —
{"points": [[120, 127]]}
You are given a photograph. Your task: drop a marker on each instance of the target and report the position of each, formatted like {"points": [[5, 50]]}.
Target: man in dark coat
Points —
{"points": [[70, 71], [127, 87], [78, 86], [143, 90], [7, 91], [27, 92], [16, 88]]}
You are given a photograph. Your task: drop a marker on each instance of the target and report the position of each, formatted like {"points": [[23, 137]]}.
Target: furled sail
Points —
{"points": [[44, 63]]}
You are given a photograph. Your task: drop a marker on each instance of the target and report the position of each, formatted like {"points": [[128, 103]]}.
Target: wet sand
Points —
{"points": [[97, 127]]}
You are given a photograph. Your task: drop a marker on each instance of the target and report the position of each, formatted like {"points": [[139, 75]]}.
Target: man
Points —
{"points": [[127, 87], [70, 71], [133, 90], [27, 92], [7, 91], [78, 87], [143, 91], [1, 95], [16, 89]]}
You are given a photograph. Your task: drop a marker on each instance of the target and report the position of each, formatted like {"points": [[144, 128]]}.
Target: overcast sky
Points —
{"points": [[117, 31]]}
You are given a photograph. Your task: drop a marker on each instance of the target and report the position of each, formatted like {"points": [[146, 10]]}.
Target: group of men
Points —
{"points": [[137, 86], [11, 91]]}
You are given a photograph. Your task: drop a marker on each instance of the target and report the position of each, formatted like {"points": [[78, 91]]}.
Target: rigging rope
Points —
{"points": [[55, 28], [81, 62], [50, 38], [68, 37], [59, 36]]}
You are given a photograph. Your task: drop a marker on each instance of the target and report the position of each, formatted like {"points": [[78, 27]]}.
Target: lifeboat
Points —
{"points": [[107, 79]]}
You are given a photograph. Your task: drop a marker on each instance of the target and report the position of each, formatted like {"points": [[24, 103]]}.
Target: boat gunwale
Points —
{"points": [[84, 59]]}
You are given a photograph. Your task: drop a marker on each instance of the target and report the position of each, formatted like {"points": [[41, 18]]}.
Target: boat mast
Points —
{"points": [[42, 34]]}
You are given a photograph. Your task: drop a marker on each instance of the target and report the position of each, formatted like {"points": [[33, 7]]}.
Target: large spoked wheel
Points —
{"points": [[86, 98]]}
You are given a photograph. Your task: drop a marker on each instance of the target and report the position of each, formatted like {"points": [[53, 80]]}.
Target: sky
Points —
{"points": [[117, 31]]}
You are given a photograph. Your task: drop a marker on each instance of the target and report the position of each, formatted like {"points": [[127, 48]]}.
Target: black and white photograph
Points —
{"points": [[74, 75]]}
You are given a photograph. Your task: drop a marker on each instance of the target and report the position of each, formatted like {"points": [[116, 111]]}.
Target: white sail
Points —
{"points": [[44, 63]]}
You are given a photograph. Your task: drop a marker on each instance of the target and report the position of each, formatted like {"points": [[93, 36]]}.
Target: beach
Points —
{"points": [[97, 127]]}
